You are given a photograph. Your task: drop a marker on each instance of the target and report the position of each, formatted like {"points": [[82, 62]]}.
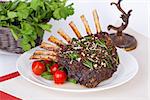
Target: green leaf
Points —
{"points": [[73, 56], [88, 64], [22, 6], [27, 20], [35, 3], [47, 75], [52, 5], [56, 14], [14, 4], [26, 47], [48, 67], [11, 14], [33, 35], [65, 12], [4, 24], [101, 43], [26, 28], [39, 31], [32, 43], [3, 17], [25, 40], [14, 34], [46, 27], [88, 37], [74, 39], [23, 14], [72, 80]]}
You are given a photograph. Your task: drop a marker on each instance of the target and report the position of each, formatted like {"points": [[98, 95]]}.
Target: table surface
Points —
{"points": [[135, 88]]}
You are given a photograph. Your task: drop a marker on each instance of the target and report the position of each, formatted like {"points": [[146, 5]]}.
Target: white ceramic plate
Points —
{"points": [[126, 71]]}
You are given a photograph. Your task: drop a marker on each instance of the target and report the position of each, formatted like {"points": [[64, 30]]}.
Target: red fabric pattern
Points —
{"points": [[9, 76], [6, 96]]}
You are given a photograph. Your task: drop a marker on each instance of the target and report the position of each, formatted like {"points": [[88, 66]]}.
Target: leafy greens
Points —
{"points": [[28, 20]]}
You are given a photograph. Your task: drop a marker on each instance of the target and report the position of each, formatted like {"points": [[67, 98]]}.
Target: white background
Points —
{"points": [[109, 15]]}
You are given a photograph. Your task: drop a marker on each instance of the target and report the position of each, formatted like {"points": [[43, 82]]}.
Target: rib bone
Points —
{"points": [[45, 52], [86, 25], [55, 41], [74, 28], [44, 57], [96, 20], [49, 47], [65, 36]]}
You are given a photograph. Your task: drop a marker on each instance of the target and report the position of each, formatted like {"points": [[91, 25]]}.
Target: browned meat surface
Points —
{"points": [[90, 60]]}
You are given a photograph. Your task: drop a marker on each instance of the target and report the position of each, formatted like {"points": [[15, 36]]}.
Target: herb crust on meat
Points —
{"points": [[89, 60]]}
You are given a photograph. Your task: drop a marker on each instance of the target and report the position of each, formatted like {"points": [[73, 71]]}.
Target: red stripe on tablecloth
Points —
{"points": [[6, 96], [9, 76]]}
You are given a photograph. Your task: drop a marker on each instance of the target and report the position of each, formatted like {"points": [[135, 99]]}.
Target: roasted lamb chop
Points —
{"points": [[89, 59]]}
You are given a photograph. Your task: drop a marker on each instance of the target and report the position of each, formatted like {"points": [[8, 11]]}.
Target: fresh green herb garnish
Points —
{"points": [[61, 68], [117, 59], [74, 39], [73, 56], [88, 64], [47, 75], [90, 59], [48, 67], [28, 20], [72, 80], [108, 64], [88, 37], [101, 43]]}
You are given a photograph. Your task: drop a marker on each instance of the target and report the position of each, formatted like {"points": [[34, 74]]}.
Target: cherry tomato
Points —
{"points": [[54, 68], [38, 68], [60, 77]]}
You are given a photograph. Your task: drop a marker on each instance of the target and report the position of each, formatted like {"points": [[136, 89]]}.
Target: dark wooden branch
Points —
{"points": [[124, 16]]}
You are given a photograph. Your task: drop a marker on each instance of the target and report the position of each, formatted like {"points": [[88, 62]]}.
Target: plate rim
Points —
{"points": [[79, 91]]}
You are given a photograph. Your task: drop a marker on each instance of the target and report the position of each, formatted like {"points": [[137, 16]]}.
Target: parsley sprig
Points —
{"points": [[27, 20]]}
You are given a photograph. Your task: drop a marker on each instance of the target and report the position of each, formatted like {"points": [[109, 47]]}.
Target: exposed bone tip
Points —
{"points": [[96, 20], [55, 41], [64, 35], [31, 58], [82, 16], [94, 11], [86, 25], [59, 30], [75, 29], [71, 23]]}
